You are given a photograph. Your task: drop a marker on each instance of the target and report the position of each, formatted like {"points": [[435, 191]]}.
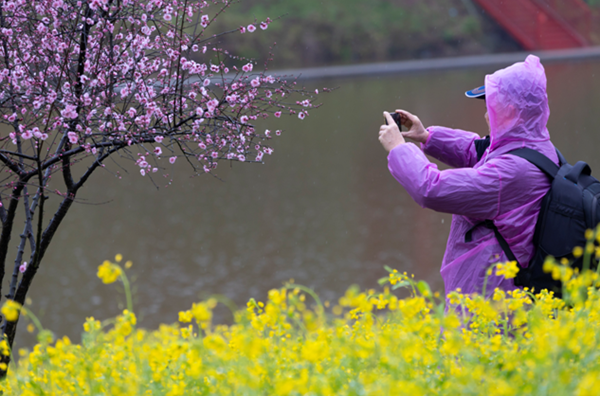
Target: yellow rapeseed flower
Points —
{"points": [[108, 272], [11, 310], [286, 346], [185, 316], [509, 269]]}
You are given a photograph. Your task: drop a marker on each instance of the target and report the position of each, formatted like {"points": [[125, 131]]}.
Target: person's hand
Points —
{"points": [[389, 135], [416, 131]]}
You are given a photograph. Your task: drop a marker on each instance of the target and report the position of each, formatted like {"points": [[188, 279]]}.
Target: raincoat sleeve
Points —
{"points": [[453, 147], [466, 191]]}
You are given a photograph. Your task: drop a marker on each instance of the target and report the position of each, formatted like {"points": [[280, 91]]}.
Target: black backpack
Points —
{"points": [[570, 207]]}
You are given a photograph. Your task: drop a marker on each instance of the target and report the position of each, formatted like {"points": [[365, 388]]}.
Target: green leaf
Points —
{"points": [[401, 284], [424, 288], [383, 281], [388, 269]]}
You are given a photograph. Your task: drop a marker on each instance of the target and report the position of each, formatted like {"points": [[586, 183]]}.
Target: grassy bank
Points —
{"points": [[326, 32]]}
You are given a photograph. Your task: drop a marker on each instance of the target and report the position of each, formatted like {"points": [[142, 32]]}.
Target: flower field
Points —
{"points": [[369, 343]]}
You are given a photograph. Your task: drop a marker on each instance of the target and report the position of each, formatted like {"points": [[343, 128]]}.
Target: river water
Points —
{"points": [[323, 209]]}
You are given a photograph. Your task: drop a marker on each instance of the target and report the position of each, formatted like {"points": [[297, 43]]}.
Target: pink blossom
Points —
{"points": [[154, 170], [195, 47], [241, 157], [268, 94], [72, 137], [173, 159], [230, 156], [255, 83], [214, 68], [204, 49], [143, 172], [264, 25], [212, 105], [27, 135], [244, 119], [199, 111], [251, 28], [242, 29], [268, 133], [301, 115], [247, 67], [202, 145], [277, 114], [268, 150], [317, 91], [278, 132], [69, 111], [231, 99], [12, 117], [157, 151], [167, 18], [259, 156], [158, 139], [206, 82], [214, 154], [206, 169], [23, 267], [204, 20]]}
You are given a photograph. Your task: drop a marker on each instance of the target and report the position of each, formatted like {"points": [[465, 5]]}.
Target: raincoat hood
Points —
{"points": [[517, 103]]}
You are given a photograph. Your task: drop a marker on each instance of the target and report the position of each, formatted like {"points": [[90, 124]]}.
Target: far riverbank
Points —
{"points": [[426, 65]]}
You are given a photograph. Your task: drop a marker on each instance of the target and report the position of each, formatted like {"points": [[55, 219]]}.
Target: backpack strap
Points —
{"points": [[578, 169], [538, 159], [561, 160], [503, 244], [481, 145]]}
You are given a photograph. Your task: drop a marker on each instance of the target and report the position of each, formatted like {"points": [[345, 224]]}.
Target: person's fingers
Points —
{"points": [[406, 114], [389, 118]]}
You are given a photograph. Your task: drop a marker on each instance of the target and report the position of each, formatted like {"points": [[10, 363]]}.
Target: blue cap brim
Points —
{"points": [[478, 93]]}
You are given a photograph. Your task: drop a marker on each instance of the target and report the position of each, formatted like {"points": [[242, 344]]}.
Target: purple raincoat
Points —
{"points": [[502, 187]]}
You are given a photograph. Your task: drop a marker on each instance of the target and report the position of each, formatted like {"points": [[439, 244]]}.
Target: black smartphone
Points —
{"points": [[396, 117]]}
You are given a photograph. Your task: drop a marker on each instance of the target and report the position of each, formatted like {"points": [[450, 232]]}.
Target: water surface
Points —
{"points": [[322, 210]]}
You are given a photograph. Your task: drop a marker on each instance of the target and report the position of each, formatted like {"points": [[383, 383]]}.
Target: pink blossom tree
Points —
{"points": [[82, 80]]}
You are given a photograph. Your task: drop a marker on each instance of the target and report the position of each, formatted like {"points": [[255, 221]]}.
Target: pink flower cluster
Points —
{"points": [[92, 85]]}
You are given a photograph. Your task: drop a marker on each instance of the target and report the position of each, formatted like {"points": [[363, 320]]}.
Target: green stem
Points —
{"points": [[33, 318], [127, 288], [485, 281], [308, 291], [587, 257]]}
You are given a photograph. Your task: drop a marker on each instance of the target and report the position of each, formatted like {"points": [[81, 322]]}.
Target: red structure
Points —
{"points": [[544, 24]]}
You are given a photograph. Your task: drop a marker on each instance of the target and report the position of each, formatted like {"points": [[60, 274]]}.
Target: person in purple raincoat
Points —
{"points": [[500, 187]]}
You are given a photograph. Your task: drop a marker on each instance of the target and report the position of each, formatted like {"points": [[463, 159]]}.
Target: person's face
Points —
{"points": [[487, 119]]}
